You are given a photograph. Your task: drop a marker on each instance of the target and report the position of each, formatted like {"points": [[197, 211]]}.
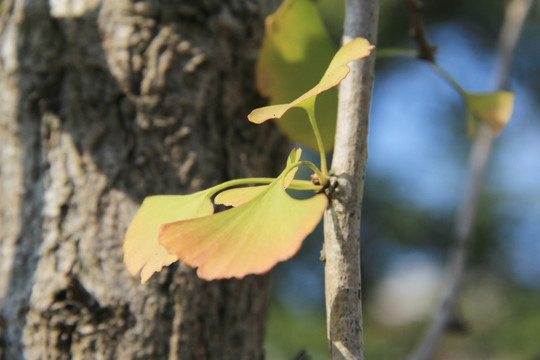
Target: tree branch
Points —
{"points": [[342, 219], [426, 51], [515, 15]]}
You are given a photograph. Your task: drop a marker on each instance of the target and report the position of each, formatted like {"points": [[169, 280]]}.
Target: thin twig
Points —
{"points": [[515, 15], [342, 219], [426, 51], [7, 8]]}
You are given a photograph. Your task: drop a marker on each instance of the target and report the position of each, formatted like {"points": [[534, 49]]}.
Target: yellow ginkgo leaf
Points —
{"points": [[495, 109], [142, 251], [337, 71], [248, 239]]}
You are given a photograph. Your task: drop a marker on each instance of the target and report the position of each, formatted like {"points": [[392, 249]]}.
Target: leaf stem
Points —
{"points": [[405, 52], [309, 106], [295, 185], [236, 182], [304, 185], [323, 178], [396, 52], [446, 75]]}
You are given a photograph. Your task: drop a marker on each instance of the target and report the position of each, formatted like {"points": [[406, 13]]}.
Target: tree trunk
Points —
{"points": [[104, 103]]}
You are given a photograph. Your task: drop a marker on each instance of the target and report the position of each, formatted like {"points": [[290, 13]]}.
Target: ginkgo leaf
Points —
{"points": [[248, 239], [296, 49], [294, 156], [337, 70], [495, 109], [238, 196], [142, 251]]}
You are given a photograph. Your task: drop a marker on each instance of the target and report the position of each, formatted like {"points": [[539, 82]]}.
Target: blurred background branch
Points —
{"points": [[515, 15], [426, 51]]}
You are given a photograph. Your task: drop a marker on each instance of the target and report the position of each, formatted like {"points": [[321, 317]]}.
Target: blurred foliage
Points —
{"points": [[296, 33], [291, 331], [505, 325]]}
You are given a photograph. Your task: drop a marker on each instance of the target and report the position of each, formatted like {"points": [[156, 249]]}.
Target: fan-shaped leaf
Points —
{"points": [[337, 70], [142, 251], [495, 109], [248, 239]]}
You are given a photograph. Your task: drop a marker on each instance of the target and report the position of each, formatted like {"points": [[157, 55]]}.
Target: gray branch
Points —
{"points": [[342, 219]]}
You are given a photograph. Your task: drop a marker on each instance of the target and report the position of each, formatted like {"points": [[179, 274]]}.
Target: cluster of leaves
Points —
{"points": [[264, 224]]}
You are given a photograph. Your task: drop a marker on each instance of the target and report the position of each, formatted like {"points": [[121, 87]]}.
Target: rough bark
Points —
{"points": [[105, 102], [342, 219]]}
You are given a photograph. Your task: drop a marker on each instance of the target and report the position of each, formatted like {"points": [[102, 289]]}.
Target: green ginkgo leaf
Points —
{"points": [[495, 109], [248, 239], [294, 157], [336, 71], [295, 51], [142, 251]]}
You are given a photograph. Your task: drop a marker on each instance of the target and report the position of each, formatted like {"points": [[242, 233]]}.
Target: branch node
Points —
{"points": [[331, 188], [426, 51]]}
